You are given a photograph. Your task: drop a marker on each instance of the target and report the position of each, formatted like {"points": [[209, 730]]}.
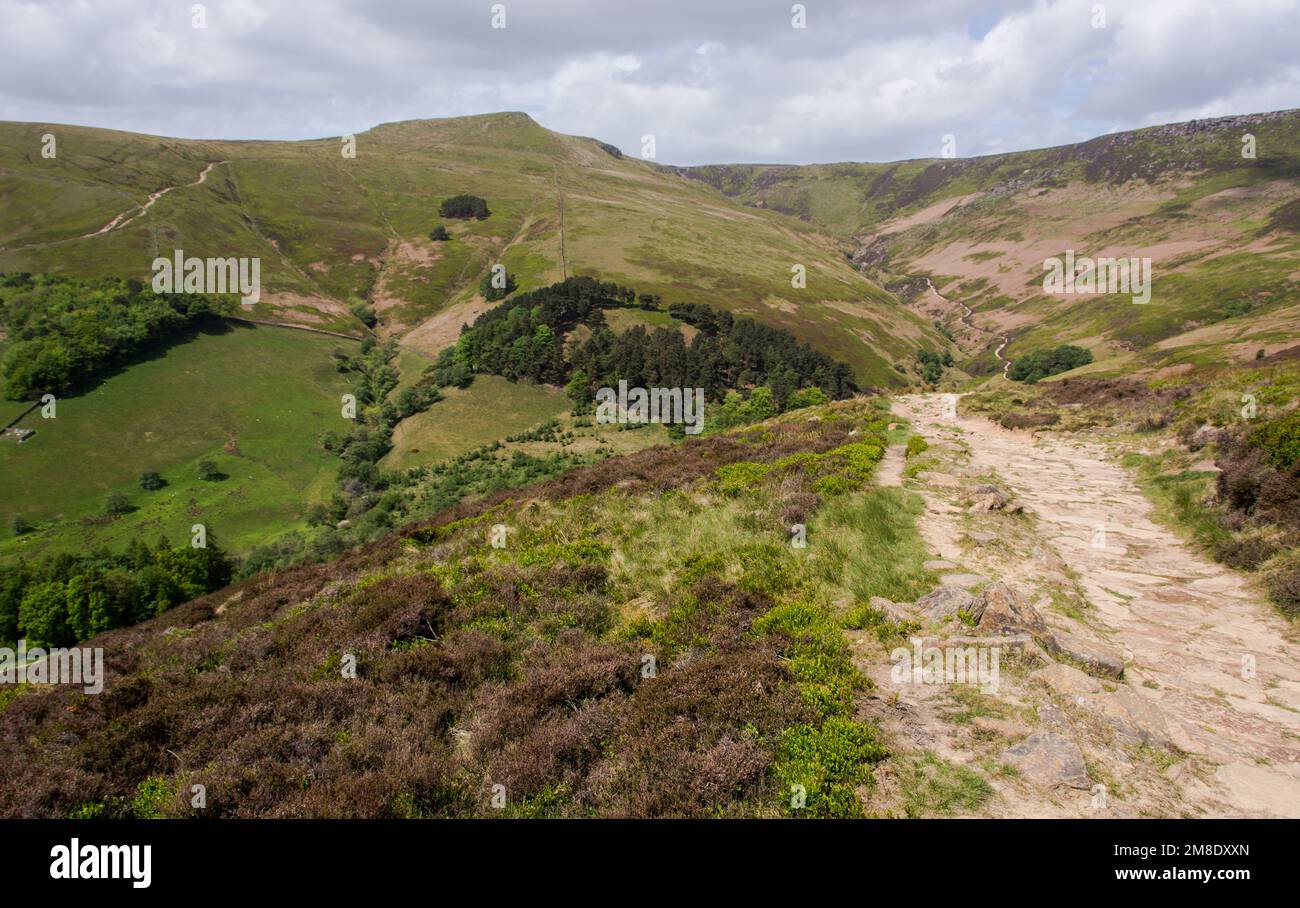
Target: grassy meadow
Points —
{"points": [[252, 399]]}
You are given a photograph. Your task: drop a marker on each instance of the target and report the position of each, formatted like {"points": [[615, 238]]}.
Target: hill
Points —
{"points": [[1218, 227], [335, 232]]}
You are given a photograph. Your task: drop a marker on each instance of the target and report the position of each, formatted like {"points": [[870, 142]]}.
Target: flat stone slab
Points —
{"points": [[1139, 720], [897, 612], [1049, 760], [944, 602], [965, 581], [1095, 658], [939, 564], [1067, 680]]}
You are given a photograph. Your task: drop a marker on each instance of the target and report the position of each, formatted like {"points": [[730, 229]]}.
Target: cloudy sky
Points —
{"points": [[712, 80]]}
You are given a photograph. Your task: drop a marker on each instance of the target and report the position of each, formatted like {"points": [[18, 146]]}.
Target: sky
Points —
{"points": [[713, 81]]}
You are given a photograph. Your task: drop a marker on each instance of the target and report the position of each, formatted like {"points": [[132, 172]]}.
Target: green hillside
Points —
{"points": [[333, 232], [1220, 230], [252, 399]]}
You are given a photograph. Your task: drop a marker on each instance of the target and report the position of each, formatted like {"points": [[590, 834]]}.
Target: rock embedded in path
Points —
{"points": [[1048, 759], [939, 564], [893, 611], [1007, 728], [1095, 658], [991, 498], [1139, 720], [965, 581], [1067, 680], [1005, 612], [944, 602]]}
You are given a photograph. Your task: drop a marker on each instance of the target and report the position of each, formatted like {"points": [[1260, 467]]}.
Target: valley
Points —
{"points": [[437, 572]]}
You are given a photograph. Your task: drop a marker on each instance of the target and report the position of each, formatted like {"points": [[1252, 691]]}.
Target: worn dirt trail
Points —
{"points": [[966, 319], [1199, 644], [131, 214], [126, 217]]}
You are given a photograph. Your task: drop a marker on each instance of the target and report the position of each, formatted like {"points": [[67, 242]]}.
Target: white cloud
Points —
{"points": [[723, 81]]}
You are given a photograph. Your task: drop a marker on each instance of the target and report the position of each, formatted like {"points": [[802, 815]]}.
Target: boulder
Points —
{"points": [[1005, 612], [944, 602], [1202, 437], [1048, 759], [991, 498]]}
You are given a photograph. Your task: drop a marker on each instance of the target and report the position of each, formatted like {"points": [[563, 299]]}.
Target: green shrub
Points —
{"points": [[1038, 365], [491, 292], [806, 397], [1279, 439], [464, 206], [151, 797], [830, 762], [150, 481], [818, 655], [735, 478], [915, 445], [572, 554]]}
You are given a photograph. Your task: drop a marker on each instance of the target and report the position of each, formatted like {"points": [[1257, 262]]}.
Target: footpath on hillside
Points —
{"points": [[1155, 682]]}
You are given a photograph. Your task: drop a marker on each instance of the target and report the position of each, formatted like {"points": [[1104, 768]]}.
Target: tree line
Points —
{"points": [[64, 331], [66, 598]]}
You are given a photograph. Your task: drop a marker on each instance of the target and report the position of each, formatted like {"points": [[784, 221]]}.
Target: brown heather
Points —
{"points": [[468, 675]]}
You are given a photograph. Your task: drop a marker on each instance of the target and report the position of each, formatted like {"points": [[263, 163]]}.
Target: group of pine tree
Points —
{"points": [[525, 339]]}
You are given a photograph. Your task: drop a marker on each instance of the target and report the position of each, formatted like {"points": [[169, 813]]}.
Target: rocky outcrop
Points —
{"points": [[1094, 658], [1005, 612]]}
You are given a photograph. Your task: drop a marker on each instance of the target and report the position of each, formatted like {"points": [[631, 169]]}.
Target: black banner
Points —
{"points": [[331, 858]]}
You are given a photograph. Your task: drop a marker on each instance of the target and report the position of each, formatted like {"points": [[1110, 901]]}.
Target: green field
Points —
{"points": [[252, 399], [488, 410]]}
